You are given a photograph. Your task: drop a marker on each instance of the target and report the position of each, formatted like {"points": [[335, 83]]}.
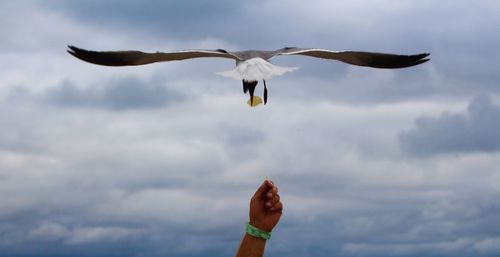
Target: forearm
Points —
{"points": [[251, 247], [265, 212]]}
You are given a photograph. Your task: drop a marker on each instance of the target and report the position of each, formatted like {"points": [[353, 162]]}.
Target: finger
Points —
{"points": [[264, 187], [272, 201], [278, 207], [273, 191], [269, 204]]}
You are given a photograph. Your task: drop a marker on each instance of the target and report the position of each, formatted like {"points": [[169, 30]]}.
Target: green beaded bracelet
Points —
{"points": [[256, 232]]}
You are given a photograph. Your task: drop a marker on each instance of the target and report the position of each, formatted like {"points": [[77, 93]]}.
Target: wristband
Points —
{"points": [[256, 232]]}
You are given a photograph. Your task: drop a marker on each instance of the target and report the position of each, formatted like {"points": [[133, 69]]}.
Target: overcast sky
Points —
{"points": [[161, 160]]}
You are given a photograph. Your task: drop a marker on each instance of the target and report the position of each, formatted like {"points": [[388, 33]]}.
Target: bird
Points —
{"points": [[251, 65]]}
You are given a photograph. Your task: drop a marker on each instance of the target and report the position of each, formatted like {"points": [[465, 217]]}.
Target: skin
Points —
{"points": [[265, 212]]}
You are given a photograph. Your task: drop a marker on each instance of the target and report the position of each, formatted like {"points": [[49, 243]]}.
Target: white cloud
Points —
{"points": [[49, 231], [132, 176], [83, 235]]}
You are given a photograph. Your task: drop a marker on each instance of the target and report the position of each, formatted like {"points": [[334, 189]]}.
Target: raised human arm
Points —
{"points": [[265, 212]]}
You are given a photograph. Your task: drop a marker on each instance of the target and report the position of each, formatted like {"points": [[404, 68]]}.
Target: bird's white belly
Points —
{"points": [[255, 69]]}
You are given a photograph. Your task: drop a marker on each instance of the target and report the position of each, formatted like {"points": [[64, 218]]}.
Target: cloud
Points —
{"points": [[488, 245], [242, 142], [92, 234], [49, 230], [476, 130], [156, 18], [52, 231], [119, 94], [408, 249], [181, 185], [90, 157]]}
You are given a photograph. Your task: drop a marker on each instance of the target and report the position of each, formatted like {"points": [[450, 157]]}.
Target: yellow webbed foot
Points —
{"points": [[256, 101]]}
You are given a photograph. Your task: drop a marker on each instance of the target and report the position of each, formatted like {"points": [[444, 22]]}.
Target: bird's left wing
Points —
{"points": [[369, 59], [127, 58]]}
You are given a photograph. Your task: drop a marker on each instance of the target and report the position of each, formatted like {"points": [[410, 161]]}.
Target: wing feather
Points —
{"points": [[369, 59], [127, 58]]}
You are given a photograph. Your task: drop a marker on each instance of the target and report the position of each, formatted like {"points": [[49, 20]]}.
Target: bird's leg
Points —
{"points": [[251, 89], [245, 87], [265, 91], [249, 86]]}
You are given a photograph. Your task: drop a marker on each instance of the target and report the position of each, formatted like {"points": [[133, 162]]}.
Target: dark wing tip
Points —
{"points": [[76, 52], [421, 61], [82, 54], [74, 49], [119, 58], [400, 61], [420, 58], [422, 55]]}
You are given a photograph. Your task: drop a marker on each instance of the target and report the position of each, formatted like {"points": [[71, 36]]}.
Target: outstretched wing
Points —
{"points": [[376, 60], [126, 58]]}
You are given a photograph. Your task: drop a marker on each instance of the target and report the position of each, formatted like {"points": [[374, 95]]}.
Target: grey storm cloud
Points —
{"points": [[118, 94], [83, 173], [166, 18], [476, 130], [242, 143], [453, 69]]}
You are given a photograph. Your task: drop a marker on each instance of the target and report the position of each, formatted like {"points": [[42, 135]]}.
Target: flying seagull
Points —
{"points": [[251, 65]]}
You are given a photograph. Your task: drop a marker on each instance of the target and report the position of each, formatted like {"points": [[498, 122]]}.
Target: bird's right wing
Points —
{"points": [[126, 58], [369, 59]]}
